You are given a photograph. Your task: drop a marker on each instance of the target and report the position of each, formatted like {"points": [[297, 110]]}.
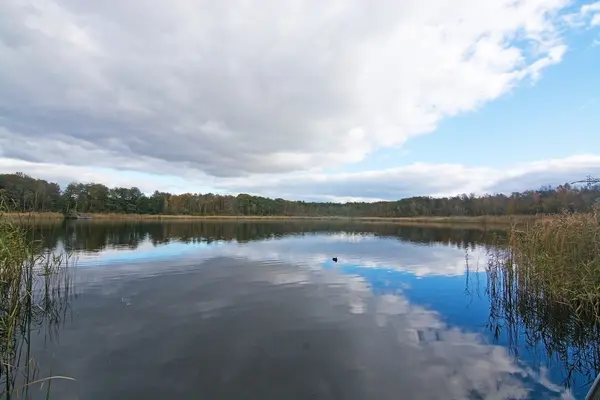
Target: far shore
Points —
{"points": [[479, 220]]}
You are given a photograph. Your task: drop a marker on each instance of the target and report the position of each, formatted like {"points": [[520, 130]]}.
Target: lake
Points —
{"points": [[244, 310]]}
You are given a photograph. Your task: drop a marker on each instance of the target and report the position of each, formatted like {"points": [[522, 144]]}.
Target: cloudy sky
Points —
{"points": [[302, 99]]}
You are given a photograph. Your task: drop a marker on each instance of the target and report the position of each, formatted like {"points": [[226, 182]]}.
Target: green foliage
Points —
{"points": [[26, 194]]}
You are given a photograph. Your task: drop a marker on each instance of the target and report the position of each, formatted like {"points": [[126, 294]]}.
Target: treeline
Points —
{"points": [[24, 194]]}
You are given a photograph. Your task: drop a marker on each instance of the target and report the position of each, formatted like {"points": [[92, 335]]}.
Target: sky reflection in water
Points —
{"points": [[279, 319]]}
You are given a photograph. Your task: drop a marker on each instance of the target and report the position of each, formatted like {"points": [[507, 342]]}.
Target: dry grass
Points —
{"points": [[557, 259], [481, 220], [33, 215], [546, 279]]}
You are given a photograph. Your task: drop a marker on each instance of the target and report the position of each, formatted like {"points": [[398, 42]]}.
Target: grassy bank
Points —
{"points": [[32, 295], [489, 220]]}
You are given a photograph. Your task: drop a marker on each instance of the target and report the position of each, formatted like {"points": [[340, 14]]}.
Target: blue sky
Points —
{"points": [[336, 102], [554, 117]]}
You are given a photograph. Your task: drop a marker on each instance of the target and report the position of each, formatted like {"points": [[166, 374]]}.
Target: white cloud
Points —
{"points": [[421, 179], [588, 16], [203, 87], [112, 177], [418, 179], [591, 8]]}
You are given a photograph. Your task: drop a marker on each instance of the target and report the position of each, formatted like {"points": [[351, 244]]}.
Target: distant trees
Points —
{"points": [[24, 193]]}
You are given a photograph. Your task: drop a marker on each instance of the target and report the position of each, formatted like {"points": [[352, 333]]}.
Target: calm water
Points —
{"points": [[260, 311]]}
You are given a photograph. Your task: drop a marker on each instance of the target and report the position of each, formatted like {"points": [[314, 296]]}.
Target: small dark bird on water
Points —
{"points": [[334, 259]]}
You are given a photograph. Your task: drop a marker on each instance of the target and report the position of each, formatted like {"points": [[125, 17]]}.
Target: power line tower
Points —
{"points": [[589, 181]]}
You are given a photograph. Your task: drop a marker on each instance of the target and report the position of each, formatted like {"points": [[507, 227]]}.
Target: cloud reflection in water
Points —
{"points": [[277, 318]]}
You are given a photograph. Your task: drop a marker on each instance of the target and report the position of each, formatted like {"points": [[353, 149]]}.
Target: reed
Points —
{"points": [[559, 258], [546, 278], [34, 293]]}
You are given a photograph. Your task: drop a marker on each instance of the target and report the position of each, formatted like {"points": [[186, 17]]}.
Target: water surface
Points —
{"points": [[261, 311]]}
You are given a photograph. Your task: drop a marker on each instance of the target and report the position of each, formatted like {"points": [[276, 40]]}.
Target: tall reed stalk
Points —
{"points": [[34, 293], [560, 259], [544, 286]]}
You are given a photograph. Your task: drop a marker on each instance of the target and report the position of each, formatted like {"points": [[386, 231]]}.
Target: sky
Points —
{"points": [[302, 99]]}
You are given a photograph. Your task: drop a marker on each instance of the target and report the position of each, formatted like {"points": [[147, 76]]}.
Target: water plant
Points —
{"points": [[559, 258], [34, 295], [544, 288]]}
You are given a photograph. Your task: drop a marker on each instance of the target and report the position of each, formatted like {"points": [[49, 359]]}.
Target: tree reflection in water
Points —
{"points": [[96, 236]]}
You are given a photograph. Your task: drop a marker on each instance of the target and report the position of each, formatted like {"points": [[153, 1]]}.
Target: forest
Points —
{"points": [[22, 193]]}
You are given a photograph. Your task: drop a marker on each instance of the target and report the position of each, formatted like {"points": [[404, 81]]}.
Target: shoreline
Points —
{"points": [[479, 220]]}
